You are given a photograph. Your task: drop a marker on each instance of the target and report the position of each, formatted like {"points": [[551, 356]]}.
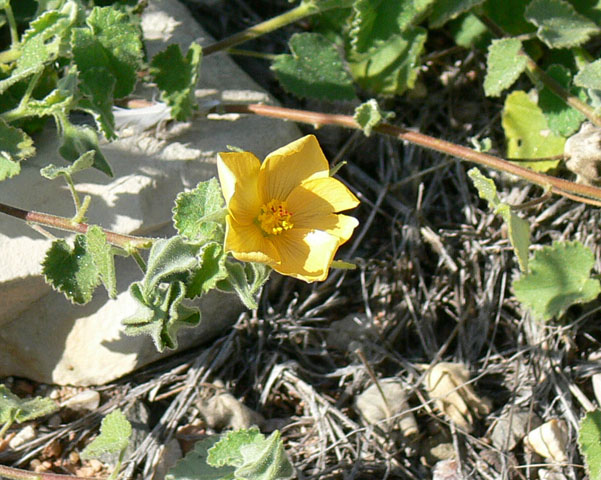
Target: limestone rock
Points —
{"points": [[43, 336]]}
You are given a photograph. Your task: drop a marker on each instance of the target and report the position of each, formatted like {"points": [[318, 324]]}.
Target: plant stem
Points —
{"points": [[12, 24], [302, 11], [575, 191], [18, 474], [126, 242]]}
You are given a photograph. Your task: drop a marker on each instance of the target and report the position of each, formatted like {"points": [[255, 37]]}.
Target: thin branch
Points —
{"points": [[124, 241], [18, 474], [575, 191]]}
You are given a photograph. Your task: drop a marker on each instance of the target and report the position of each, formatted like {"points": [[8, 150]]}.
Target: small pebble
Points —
{"points": [[85, 400], [74, 457], [54, 421], [25, 435], [96, 465]]}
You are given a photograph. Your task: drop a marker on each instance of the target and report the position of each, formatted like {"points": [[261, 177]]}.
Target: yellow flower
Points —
{"points": [[284, 212]]}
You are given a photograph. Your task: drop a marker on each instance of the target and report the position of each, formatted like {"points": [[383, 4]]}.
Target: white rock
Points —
{"points": [[84, 400], [25, 435], [43, 336]]}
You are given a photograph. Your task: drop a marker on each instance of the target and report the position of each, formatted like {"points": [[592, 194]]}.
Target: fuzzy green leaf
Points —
{"points": [[227, 450], [518, 229], [559, 24], [376, 21], [266, 460], [169, 259], [445, 10], [528, 134], [102, 256], [176, 77], [468, 31], [15, 145], [98, 84], [56, 101], [589, 441], [82, 163], [245, 280], [590, 76], [391, 67], [160, 313], [194, 465], [78, 140], [211, 270], [115, 431], [563, 120], [112, 42], [71, 270], [559, 277], [368, 115], [15, 409], [198, 215], [509, 15], [504, 65], [313, 69]]}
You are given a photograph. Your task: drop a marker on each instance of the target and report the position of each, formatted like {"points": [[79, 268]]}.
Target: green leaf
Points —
{"points": [[469, 31], [15, 409], [56, 101], [112, 42], [227, 450], [391, 67], [198, 215], [176, 77], [518, 229], [504, 65], [559, 277], [15, 145], [78, 140], [160, 313], [82, 163], [527, 132], [245, 280], [313, 69], [102, 257], [194, 465], [377, 20], [71, 270], [559, 24], [169, 259], [563, 120], [445, 10], [509, 15], [368, 115], [115, 431], [98, 84], [266, 460], [589, 441], [590, 76], [211, 270]]}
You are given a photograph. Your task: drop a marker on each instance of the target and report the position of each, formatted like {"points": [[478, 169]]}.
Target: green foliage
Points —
{"points": [[559, 24], [590, 76], [518, 229], [368, 115], [445, 10], [238, 455], [15, 409], [84, 162], [589, 441], [504, 65], [245, 280], [313, 69], [115, 431], [559, 277], [198, 215], [176, 77], [528, 134], [563, 120], [16, 146]]}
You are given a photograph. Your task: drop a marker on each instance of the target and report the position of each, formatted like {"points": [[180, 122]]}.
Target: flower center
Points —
{"points": [[275, 218]]}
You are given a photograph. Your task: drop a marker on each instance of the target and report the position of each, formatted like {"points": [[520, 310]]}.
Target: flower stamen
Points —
{"points": [[275, 218]]}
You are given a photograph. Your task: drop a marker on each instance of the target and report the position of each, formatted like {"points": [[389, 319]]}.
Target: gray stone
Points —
{"points": [[43, 336]]}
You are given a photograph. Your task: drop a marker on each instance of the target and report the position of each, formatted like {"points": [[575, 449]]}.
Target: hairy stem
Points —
{"points": [[126, 242], [575, 191], [18, 474]]}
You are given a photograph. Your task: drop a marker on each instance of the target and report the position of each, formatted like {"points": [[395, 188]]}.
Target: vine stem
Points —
{"points": [[127, 242], [18, 474], [582, 193]]}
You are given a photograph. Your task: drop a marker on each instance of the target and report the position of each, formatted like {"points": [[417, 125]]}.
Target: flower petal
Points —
{"points": [[287, 167], [247, 243], [319, 197], [238, 175], [305, 254], [339, 225]]}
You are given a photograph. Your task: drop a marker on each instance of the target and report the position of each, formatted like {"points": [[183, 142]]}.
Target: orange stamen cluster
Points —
{"points": [[275, 218]]}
